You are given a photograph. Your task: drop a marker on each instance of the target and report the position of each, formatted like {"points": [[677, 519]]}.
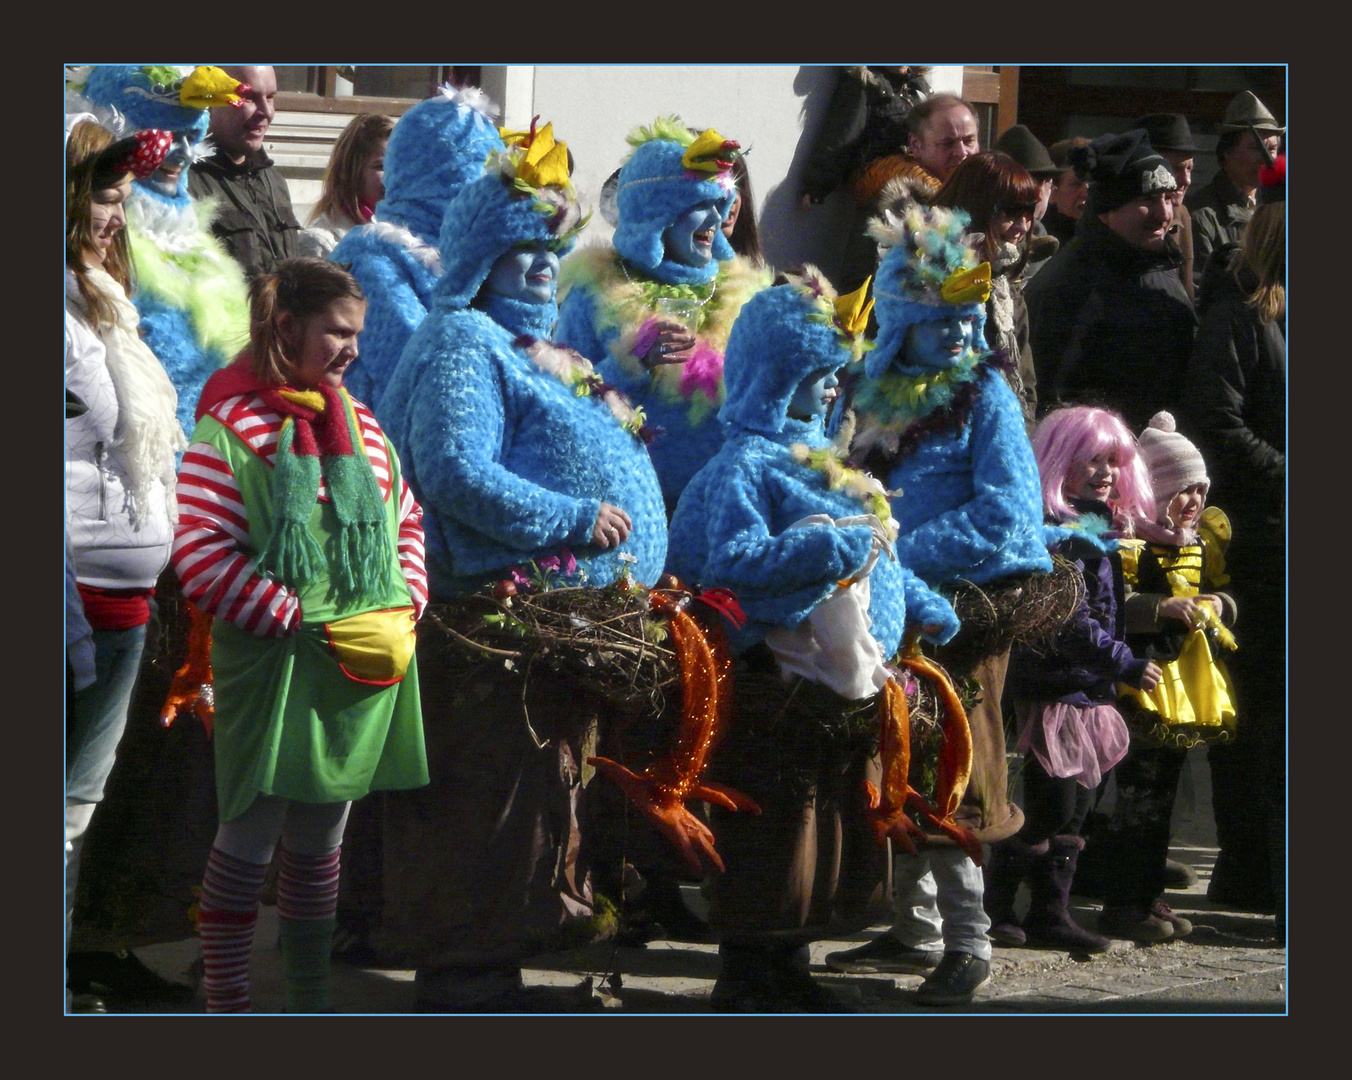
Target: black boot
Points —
{"points": [[1049, 922], [1009, 864]]}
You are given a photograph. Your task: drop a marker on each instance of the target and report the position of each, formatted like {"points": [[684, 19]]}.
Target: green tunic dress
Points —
{"points": [[289, 722]]}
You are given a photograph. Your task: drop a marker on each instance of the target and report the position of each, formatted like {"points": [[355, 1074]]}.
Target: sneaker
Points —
{"points": [[957, 978], [1161, 910], [884, 955], [1132, 924], [1178, 875]]}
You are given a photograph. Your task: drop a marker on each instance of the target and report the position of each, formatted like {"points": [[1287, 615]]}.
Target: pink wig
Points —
{"points": [[1078, 433]]}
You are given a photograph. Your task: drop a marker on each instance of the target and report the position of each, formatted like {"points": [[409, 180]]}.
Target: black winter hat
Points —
{"points": [[1168, 131], [1121, 168], [1023, 146]]}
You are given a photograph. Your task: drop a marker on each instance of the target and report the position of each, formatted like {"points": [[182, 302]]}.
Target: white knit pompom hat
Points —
{"points": [[1173, 461]]}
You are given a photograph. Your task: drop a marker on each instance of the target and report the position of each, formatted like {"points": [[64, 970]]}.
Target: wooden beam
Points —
{"points": [[1007, 113], [315, 103], [981, 85]]}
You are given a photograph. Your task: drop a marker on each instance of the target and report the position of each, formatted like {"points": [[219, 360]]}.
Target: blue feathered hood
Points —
{"points": [[781, 336], [146, 95], [656, 185], [133, 97], [501, 209], [435, 149], [924, 251]]}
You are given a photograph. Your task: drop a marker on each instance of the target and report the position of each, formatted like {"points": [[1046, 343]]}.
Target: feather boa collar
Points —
{"points": [[626, 302], [575, 372], [830, 461], [174, 228], [900, 409]]}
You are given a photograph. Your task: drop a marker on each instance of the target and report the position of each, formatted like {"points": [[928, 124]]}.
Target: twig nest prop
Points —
{"points": [[1027, 611], [605, 641]]}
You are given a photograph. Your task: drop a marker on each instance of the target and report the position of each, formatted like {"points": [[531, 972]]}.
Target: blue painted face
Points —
{"points": [[814, 394], [527, 272], [939, 343], [689, 240], [170, 179]]}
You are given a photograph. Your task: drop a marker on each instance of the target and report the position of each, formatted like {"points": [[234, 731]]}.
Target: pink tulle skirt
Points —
{"points": [[1077, 741]]}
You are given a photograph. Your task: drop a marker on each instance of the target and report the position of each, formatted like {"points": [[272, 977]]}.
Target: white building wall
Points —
{"points": [[774, 111]]}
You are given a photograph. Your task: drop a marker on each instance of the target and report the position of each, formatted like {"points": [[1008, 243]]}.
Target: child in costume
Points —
{"points": [[805, 544], [668, 255], [435, 149], [1177, 617], [520, 455], [1093, 481], [190, 293], [937, 421], [298, 533]]}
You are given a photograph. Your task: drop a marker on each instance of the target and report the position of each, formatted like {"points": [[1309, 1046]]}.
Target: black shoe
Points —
{"points": [[1178, 875], [120, 974], [957, 978], [884, 955], [1259, 899], [87, 1003]]}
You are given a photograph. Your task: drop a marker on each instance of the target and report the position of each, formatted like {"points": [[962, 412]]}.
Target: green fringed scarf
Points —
{"points": [[320, 438]]}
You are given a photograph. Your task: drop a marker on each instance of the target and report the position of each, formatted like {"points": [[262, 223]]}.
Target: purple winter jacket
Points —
{"points": [[1090, 655]]}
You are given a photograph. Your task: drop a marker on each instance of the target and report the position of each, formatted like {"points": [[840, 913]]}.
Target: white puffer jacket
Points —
{"points": [[110, 551]]}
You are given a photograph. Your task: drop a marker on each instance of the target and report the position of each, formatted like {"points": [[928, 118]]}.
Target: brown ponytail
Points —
{"points": [[300, 287]]}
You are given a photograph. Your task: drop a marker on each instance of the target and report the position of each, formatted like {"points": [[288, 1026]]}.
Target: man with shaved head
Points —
{"points": [[255, 220]]}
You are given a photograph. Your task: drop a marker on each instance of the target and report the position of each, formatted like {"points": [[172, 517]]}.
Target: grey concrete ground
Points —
{"points": [[1231, 963]]}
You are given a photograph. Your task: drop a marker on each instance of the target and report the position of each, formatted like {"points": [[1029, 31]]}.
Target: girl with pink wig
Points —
{"points": [[1094, 484]]}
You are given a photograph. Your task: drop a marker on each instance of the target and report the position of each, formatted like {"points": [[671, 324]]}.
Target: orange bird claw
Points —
{"points": [[664, 808]]}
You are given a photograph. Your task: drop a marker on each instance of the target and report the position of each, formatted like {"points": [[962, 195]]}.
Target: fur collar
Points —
{"points": [[400, 236]]}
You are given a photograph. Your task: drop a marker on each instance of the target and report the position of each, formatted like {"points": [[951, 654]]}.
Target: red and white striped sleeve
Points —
{"points": [[412, 558], [212, 556]]}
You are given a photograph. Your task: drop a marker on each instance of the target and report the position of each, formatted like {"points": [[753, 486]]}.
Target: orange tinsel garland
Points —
{"points": [[191, 686], [661, 789]]}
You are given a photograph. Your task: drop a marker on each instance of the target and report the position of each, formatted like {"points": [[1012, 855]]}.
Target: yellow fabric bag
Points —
{"points": [[375, 647]]}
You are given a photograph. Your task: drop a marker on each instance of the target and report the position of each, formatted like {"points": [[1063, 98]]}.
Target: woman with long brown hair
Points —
{"points": [[120, 455], [353, 183]]}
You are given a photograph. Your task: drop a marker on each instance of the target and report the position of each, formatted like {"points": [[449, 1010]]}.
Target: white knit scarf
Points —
{"points": [[148, 435]]}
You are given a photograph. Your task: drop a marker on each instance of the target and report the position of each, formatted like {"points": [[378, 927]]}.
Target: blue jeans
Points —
{"points": [[937, 898], [92, 734]]}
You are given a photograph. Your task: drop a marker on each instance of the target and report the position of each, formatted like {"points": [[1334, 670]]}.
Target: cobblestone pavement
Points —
{"points": [[1230, 963]]}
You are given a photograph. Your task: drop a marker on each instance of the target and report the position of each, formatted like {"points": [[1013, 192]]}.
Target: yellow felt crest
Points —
{"points": [[207, 87], [545, 163], [852, 311], [710, 153], [968, 286]]}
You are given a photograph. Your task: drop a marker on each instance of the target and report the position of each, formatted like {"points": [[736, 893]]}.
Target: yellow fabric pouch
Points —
{"points": [[375, 647]]}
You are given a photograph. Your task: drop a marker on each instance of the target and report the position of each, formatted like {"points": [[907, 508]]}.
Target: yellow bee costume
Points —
{"points": [[1195, 700]]}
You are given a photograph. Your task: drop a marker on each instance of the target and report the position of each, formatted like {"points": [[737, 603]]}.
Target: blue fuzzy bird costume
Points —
{"points": [[507, 445], [608, 294], [731, 526], [952, 440], [190, 294], [951, 443], [510, 445], [435, 149], [808, 867]]}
